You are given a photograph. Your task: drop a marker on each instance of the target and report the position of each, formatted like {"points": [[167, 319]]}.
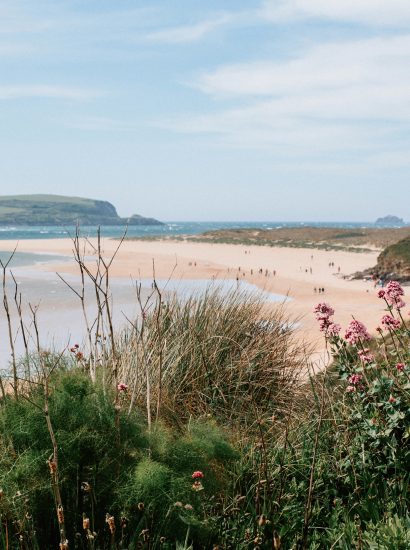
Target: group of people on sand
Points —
{"points": [[320, 290]]}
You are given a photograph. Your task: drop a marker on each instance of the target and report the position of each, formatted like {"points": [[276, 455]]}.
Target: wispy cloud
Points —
{"points": [[42, 91], [343, 97], [189, 33], [380, 12]]}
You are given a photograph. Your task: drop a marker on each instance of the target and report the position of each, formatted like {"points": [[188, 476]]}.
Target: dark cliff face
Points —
{"points": [[58, 210]]}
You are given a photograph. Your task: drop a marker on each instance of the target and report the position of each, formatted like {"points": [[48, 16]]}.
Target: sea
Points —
{"points": [[168, 229]]}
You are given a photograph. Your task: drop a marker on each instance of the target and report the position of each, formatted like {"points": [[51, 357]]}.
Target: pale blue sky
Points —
{"points": [[216, 110]]}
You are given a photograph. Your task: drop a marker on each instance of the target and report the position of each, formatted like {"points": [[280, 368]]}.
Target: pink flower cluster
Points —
{"points": [[393, 295], [390, 323], [400, 367], [324, 314], [198, 475], [122, 387], [365, 356], [356, 332], [355, 379]]}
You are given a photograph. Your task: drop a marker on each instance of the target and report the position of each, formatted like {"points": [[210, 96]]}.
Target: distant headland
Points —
{"points": [[60, 210], [390, 221]]}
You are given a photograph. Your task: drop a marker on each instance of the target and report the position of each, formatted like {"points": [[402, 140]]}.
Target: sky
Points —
{"points": [[219, 110]]}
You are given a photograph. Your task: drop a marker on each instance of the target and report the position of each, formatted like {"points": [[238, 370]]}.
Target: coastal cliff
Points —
{"points": [[394, 261], [60, 210]]}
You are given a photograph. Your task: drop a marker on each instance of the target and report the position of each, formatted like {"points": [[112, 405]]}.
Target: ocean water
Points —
{"points": [[168, 229]]}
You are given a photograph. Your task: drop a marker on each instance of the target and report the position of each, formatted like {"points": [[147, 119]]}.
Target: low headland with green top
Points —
{"points": [[51, 210]]}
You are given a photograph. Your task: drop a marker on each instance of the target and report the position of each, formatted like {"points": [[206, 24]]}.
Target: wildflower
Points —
{"points": [[365, 356], [86, 523], [198, 475], [141, 506], [355, 379], [400, 367], [389, 322], [188, 507], [333, 329], [197, 485], [381, 293], [79, 355], [323, 311], [393, 294], [356, 332], [178, 504], [122, 387], [392, 399], [350, 389]]}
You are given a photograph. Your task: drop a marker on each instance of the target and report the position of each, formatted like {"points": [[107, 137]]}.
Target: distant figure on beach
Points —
{"points": [[323, 290], [315, 290], [320, 290]]}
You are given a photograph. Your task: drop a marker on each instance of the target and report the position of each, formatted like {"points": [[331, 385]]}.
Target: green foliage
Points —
{"points": [[394, 532], [325, 465]]}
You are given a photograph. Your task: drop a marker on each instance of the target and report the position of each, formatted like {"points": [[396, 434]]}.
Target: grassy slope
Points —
{"points": [[42, 209], [396, 258]]}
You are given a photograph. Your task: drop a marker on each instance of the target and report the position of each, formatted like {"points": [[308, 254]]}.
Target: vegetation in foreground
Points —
{"points": [[194, 429]]}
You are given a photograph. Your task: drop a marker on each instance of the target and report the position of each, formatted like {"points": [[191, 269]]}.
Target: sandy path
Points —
{"points": [[298, 272]]}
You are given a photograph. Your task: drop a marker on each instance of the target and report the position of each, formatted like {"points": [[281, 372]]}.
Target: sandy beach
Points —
{"points": [[295, 272]]}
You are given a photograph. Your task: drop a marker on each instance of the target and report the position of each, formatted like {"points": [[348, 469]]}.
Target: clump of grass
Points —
{"points": [[224, 355]]}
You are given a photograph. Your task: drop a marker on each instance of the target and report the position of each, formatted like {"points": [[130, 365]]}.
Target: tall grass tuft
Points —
{"points": [[218, 354]]}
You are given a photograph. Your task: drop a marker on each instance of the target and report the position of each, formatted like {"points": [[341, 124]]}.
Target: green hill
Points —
{"points": [[394, 261], [61, 210]]}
